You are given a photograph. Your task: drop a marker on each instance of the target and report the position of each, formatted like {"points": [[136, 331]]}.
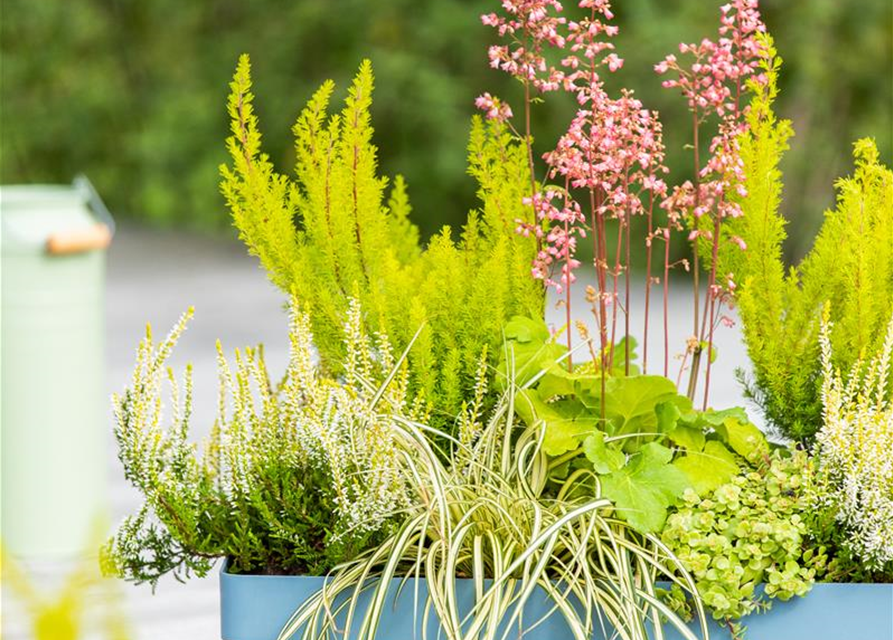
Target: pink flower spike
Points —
{"points": [[525, 58]]}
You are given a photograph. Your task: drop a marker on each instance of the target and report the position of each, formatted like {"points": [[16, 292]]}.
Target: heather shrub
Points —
{"points": [[854, 447], [294, 479], [850, 266], [339, 230]]}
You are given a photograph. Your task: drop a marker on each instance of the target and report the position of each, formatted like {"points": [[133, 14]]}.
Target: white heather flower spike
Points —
{"points": [[854, 450], [312, 422]]}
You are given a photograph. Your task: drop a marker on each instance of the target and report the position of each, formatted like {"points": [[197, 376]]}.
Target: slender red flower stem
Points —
{"points": [[626, 276], [713, 267], [601, 253], [601, 266], [696, 279], [567, 308], [711, 293], [567, 284], [666, 284], [682, 368], [528, 140], [615, 277], [648, 240]]}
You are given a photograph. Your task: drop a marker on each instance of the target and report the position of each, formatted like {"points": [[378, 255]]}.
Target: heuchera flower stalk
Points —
{"points": [[530, 27], [612, 157], [713, 84]]}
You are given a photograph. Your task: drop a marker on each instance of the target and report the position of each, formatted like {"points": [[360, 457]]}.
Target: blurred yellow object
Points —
{"points": [[85, 602]]}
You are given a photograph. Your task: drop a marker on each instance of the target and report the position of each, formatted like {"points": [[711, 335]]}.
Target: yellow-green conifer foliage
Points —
{"points": [[850, 266], [338, 230]]}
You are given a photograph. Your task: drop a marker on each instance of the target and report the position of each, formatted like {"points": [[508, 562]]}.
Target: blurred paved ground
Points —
{"points": [[153, 277]]}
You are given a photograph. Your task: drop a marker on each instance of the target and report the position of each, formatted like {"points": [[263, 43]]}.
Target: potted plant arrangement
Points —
{"points": [[438, 461]]}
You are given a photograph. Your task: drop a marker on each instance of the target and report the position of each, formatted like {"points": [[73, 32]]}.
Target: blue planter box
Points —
{"points": [[256, 608]]}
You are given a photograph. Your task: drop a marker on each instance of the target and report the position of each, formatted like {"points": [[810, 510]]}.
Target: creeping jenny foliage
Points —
{"points": [[748, 532], [353, 239]]}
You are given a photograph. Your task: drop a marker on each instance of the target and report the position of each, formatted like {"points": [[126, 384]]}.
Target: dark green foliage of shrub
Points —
{"points": [[843, 565]]}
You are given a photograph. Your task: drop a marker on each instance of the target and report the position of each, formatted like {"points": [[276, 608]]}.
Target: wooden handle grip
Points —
{"points": [[96, 237]]}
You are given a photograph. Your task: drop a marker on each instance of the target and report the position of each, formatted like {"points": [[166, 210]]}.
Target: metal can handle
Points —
{"points": [[99, 236]]}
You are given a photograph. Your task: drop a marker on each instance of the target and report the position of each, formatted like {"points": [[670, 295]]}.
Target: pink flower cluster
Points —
{"points": [[530, 26], [721, 66], [559, 244], [587, 40], [533, 26], [713, 84], [493, 107], [613, 149], [613, 146]]}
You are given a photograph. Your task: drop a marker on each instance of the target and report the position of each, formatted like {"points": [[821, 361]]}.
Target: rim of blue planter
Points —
{"points": [[255, 607]]}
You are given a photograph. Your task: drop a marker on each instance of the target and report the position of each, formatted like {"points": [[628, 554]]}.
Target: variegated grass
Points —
{"points": [[493, 513]]}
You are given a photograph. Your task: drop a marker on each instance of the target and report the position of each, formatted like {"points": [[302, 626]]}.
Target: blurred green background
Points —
{"points": [[132, 92]]}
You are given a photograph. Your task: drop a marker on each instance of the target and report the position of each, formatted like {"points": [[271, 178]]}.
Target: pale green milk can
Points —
{"points": [[53, 408]]}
